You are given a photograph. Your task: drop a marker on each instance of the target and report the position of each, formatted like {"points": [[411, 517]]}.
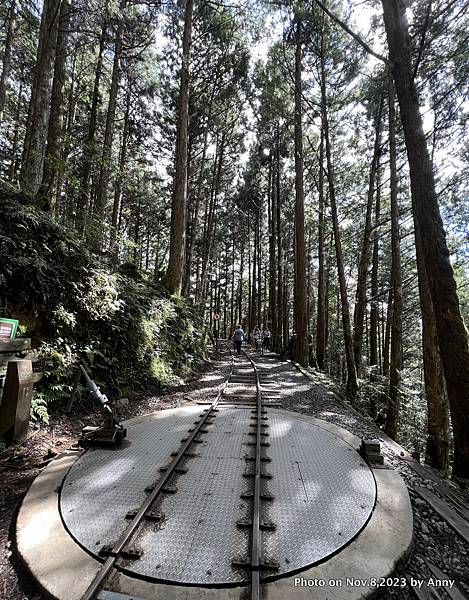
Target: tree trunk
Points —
{"points": [[71, 99], [395, 366], [253, 315], [210, 231], [259, 267], [321, 311], [192, 230], [285, 310], [36, 134], [249, 277], [200, 274], [14, 150], [272, 248], [232, 295], [101, 192], [352, 384], [387, 334], [241, 285], [225, 293], [88, 151], [66, 183], [120, 172], [300, 306], [175, 272], [278, 342], [137, 219], [6, 66], [327, 286], [360, 302], [310, 296], [47, 195], [374, 310], [437, 449], [451, 331]]}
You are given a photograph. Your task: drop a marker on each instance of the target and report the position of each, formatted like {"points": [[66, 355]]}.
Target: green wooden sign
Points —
{"points": [[8, 328]]}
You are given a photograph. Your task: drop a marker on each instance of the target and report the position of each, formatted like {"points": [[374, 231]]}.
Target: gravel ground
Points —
{"points": [[435, 541]]}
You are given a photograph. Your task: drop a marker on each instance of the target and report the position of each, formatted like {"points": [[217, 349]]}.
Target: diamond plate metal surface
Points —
{"points": [[104, 484], [324, 495], [199, 536]]}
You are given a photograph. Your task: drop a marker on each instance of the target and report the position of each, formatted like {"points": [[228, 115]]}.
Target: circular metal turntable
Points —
{"points": [[321, 495]]}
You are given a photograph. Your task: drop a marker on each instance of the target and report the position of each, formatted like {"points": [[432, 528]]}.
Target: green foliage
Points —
{"points": [[413, 417], [39, 410], [124, 329], [374, 390], [373, 397]]}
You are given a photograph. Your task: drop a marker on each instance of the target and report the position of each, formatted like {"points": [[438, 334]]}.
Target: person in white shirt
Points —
{"points": [[257, 338]]}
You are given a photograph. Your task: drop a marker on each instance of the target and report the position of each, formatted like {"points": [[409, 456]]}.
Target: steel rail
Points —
{"points": [[256, 535], [137, 521]]}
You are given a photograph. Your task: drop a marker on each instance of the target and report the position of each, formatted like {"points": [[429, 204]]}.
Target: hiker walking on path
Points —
{"points": [[238, 338], [266, 339], [257, 337]]}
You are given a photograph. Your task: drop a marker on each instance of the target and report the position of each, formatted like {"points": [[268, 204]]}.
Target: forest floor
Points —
{"points": [[435, 541]]}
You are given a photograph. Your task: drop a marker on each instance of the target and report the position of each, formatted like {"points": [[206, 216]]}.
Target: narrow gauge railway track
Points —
{"points": [[257, 561], [124, 547]]}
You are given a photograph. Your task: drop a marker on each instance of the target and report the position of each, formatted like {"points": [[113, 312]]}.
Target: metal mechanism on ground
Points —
{"points": [[112, 433], [371, 452], [245, 497]]}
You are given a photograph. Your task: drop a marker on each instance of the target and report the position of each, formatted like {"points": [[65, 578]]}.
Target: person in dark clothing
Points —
{"points": [[266, 335], [238, 338]]}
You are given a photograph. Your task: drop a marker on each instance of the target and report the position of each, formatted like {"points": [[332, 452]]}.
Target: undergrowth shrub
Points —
{"points": [[124, 329], [373, 401]]}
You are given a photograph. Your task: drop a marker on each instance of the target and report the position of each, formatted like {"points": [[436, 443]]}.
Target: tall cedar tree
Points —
{"points": [[300, 304], [352, 383], [83, 203], [6, 66], [437, 447], [321, 310], [451, 331], [103, 180], [395, 366], [175, 271], [48, 191], [36, 132], [360, 303]]}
